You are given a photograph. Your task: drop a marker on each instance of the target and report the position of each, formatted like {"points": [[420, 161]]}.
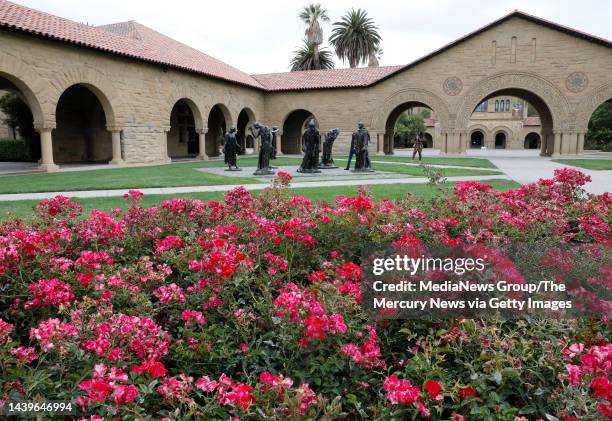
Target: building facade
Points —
{"points": [[125, 93]]}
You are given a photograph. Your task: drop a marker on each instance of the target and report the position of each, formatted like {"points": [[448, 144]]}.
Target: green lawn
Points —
{"points": [[177, 175], [23, 208], [463, 162], [590, 164], [171, 175]]}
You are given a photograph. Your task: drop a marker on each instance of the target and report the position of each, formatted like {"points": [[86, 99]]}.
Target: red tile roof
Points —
{"points": [[131, 39], [128, 39], [323, 79]]}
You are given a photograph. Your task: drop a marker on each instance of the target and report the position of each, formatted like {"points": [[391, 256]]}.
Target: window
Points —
{"points": [[482, 107], [507, 105], [496, 105]]}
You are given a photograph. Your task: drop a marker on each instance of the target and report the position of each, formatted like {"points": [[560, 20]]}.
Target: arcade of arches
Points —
{"points": [[504, 86]]}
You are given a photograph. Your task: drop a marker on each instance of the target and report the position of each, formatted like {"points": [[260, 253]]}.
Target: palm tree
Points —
{"points": [[312, 15], [355, 37], [306, 58], [375, 57]]}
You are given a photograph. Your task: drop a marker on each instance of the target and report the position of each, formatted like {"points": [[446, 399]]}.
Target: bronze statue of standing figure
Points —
{"points": [[231, 148], [265, 149], [360, 142], [326, 160], [310, 146]]}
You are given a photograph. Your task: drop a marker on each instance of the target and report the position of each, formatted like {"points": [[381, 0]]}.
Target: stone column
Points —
{"points": [[580, 144], [116, 139], [442, 144], [165, 157], [557, 143], [568, 143], [463, 142], [279, 142], [46, 148], [380, 143], [202, 144]]}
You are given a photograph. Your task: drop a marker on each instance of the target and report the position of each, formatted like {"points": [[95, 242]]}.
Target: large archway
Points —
{"points": [[401, 123], [219, 119], [246, 118], [15, 104], [81, 134], [518, 104], [183, 137], [293, 127], [550, 105]]}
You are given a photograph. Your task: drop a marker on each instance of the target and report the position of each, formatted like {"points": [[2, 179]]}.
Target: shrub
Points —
{"points": [[250, 309], [14, 150]]}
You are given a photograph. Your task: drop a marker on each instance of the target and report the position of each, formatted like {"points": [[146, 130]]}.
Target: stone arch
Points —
{"points": [[184, 129], [383, 120], [188, 96], [592, 100], [246, 118], [83, 126], [536, 90], [410, 95], [292, 129], [98, 83], [473, 129], [532, 142], [29, 85], [218, 121]]}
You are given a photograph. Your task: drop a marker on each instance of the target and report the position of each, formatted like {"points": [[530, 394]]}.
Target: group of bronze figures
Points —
{"points": [[311, 141]]}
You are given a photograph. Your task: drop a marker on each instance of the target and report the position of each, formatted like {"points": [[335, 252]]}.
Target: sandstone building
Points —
{"points": [[125, 93]]}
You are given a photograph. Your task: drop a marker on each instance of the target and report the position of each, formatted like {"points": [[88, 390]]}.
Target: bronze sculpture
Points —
{"points": [[265, 149], [231, 149], [360, 142], [326, 160], [310, 146]]}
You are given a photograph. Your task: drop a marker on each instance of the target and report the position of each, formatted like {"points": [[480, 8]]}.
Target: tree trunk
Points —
{"points": [[317, 63]]}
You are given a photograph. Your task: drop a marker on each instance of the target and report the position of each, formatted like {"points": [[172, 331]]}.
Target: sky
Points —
{"points": [[260, 36]]}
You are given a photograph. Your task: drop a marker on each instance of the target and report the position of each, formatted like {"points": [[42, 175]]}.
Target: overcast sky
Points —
{"points": [[259, 36]]}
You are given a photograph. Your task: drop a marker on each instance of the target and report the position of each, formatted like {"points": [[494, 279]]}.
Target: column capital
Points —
{"points": [[203, 130], [113, 128], [44, 127]]}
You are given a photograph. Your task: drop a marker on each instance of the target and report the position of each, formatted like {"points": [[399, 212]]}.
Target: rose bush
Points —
{"points": [[249, 309]]}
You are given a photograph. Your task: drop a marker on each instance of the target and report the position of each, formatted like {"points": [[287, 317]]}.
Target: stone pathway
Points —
{"points": [[222, 188]]}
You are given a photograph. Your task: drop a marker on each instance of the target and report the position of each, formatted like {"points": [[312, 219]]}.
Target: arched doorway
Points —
{"points": [[245, 119], [81, 135], [428, 141], [500, 140], [403, 123], [532, 141], [293, 127], [477, 139], [218, 122], [19, 124], [183, 138]]}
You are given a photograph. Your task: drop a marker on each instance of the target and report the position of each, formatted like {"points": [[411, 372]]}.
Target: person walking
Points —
{"points": [[418, 146]]}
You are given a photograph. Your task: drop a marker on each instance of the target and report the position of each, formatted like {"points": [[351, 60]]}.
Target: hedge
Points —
{"points": [[14, 150]]}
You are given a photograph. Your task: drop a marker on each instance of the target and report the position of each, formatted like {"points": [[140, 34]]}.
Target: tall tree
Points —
{"points": [[305, 58], [355, 37], [373, 60], [312, 15], [407, 127]]}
